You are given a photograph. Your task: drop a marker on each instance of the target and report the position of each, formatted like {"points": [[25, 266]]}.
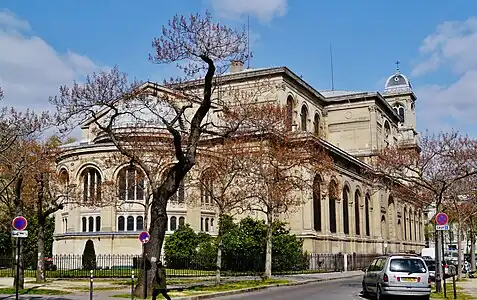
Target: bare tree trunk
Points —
{"points": [[268, 249], [219, 260], [472, 248], [459, 251], [40, 267], [157, 231]]}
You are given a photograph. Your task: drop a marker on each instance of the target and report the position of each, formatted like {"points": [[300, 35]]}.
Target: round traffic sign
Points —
{"points": [[144, 237], [442, 219], [20, 223]]}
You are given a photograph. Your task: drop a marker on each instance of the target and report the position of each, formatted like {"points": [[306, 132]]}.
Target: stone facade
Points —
{"points": [[352, 125]]}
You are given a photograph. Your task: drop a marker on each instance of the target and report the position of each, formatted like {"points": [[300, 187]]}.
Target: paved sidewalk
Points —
{"points": [[469, 286], [121, 289]]}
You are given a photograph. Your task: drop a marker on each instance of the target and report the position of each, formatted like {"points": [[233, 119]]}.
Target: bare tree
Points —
{"points": [[279, 166], [199, 47], [426, 175]]}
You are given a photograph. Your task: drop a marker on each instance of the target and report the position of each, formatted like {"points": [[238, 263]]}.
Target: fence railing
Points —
{"points": [[117, 266]]}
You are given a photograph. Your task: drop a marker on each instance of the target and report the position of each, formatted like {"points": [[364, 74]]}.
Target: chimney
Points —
{"points": [[236, 66]]}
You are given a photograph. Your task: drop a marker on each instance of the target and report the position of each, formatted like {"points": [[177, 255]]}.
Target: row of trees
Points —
{"points": [[243, 247]]}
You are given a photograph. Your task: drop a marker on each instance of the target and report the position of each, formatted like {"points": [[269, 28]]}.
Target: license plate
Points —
{"points": [[409, 279]]}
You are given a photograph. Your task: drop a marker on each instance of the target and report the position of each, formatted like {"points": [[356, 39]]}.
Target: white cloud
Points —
{"points": [[265, 10], [452, 47], [31, 70]]}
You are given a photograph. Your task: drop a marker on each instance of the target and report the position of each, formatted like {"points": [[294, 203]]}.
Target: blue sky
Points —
{"points": [[47, 43]]}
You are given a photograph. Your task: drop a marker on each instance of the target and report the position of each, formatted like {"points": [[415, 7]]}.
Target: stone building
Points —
{"points": [[351, 124]]}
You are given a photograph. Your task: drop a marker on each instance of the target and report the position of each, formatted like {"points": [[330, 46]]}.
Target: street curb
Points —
{"points": [[258, 288]]}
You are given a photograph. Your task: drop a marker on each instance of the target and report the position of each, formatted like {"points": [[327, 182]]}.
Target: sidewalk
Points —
{"points": [[78, 287], [469, 286]]}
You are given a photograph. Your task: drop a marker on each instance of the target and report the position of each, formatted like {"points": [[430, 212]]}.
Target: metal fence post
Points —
{"points": [[91, 285], [132, 286]]}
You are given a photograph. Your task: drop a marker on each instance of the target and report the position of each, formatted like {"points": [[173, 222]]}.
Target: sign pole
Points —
{"points": [[443, 264], [17, 258], [144, 269]]}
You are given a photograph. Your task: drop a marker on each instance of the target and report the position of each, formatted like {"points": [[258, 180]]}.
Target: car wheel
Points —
{"points": [[379, 294], [365, 290]]}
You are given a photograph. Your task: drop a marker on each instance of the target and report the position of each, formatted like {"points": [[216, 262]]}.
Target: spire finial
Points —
{"points": [[397, 65]]}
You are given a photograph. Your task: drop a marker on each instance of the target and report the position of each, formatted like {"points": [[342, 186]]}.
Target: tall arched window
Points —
{"points": [[64, 178], [289, 122], [90, 224], [357, 200], [304, 118], [345, 210], [207, 187], [206, 224], [120, 223], [179, 196], [332, 197], [410, 225], [404, 220], [91, 185], [173, 223], [98, 223], [316, 125], [131, 184], [83, 224], [366, 214], [139, 223], [317, 203], [399, 109], [384, 228], [130, 223], [387, 133], [181, 221]]}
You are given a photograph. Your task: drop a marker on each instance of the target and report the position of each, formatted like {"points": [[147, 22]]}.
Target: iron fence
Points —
{"points": [[117, 266]]}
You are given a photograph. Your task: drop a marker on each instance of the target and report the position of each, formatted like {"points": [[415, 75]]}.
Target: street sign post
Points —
{"points": [[19, 223], [441, 221], [144, 239]]}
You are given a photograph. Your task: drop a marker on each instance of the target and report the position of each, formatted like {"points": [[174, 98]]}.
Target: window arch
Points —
{"points": [[399, 109], [304, 117], [130, 223], [332, 197], [64, 178], [207, 187], [316, 125], [91, 185], [317, 203], [131, 184], [404, 220], [366, 214], [173, 223], [289, 108], [206, 224], [346, 209], [357, 200], [121, 223], [181, 221], [90, 224], [139, 223]]}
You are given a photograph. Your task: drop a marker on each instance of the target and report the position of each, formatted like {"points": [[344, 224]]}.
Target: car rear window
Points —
{"points": [[431, 265], [407, 265]]}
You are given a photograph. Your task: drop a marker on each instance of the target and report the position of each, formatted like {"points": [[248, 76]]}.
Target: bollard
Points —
{"points": [[91, 286], [132, 286]]}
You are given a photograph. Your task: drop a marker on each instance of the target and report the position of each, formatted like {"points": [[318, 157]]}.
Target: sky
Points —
{"points": [[44, 44]]}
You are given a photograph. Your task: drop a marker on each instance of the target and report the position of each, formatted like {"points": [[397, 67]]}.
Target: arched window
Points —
{"points": [[357, 200], [207, 187], [131, 184], [304, 118], [64, 178], [387, 133], [173, 223], [139, 223], [206, 224], [179, 196], [289, 123], [90, 224], [345, 210], [316, 125], [121, 223], [212, 224], [91, 185], [366, 214], [181, 221], [383, 228], [399, 229], [98, 223], [332, 197], [399, 109], [201, 224], [83, 224], [130, 223], [404, 220], [317, 203], [410, 225]]}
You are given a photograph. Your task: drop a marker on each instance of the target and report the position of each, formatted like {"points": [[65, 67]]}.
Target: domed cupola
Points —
{"points": [[397, 83]]}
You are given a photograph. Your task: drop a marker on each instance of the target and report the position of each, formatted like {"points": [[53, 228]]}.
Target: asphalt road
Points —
{"points": [[342, 289]]}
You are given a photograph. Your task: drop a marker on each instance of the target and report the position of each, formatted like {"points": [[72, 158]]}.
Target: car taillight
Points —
{"points": [[385, 277], [446, 266], [418, 279]]}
